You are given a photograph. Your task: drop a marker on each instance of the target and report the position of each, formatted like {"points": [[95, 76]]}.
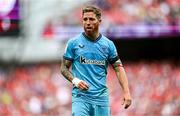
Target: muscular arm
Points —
{"points": [[120, 72], [68, 75], [65, 70], [121, 75]]}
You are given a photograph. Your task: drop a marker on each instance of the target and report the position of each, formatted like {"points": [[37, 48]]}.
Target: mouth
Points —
{"points": [[89, 28]]}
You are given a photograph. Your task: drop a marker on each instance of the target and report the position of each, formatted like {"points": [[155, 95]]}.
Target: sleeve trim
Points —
{"points": [[113, 60], [67, 58]]}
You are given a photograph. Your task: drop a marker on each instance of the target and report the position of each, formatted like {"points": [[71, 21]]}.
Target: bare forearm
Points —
{"points": [[65, 70], [67, 74], [120, 72]]}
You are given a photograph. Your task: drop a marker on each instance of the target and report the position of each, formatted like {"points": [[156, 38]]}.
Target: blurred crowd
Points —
{"points": [[122, 17], [41, 90], [132, 12], [125, 12]]}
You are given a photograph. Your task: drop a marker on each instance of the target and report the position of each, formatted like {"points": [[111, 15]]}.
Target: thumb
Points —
{"points": [[123, 101]]}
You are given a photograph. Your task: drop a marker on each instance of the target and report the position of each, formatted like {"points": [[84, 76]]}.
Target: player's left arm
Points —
{"points": [[121, 75]]}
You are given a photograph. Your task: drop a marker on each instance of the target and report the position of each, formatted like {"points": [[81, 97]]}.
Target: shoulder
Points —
{"points": [[75, 39], [107, 41]]}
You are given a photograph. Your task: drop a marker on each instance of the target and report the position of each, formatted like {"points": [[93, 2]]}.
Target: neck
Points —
{"points": [[93, 36]]}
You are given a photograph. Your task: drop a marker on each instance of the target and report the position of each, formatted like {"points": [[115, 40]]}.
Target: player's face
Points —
{"points": [[90, 23]]}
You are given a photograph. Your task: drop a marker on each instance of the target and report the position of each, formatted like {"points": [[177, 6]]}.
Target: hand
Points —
{"points": [[80, 84], [127, 101], [83, 85]]}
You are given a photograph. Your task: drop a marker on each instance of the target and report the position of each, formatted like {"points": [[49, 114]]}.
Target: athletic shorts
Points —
{"points": [[87, 109]]}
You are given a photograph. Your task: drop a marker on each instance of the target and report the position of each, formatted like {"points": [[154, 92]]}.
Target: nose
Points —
{"points": [[88, 22]]}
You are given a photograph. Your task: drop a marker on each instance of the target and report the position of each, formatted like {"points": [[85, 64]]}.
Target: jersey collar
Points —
{"points": [[98, 38]]}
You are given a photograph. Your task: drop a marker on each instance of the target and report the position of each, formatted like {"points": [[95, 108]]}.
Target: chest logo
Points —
{"points": [[83, 60]]}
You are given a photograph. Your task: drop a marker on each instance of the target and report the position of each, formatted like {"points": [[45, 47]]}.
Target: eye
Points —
{"points": [[85, 19], [92, 19]]}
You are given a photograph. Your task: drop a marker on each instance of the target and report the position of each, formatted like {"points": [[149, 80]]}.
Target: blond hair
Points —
{"points": [[93, 9]]}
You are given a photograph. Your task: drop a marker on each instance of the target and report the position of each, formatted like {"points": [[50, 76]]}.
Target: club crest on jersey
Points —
{"points": [[83, 60]]}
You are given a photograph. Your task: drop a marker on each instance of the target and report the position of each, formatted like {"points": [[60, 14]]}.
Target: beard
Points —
{"points": [[91, 31]]}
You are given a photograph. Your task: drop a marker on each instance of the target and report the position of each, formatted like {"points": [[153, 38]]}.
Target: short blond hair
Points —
{"points": [[93, 9]]}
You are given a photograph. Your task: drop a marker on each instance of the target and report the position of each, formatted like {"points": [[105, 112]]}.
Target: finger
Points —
{"points": [[83, 86], [80, 86], [123, 101], [85, 83], [127, 104]]}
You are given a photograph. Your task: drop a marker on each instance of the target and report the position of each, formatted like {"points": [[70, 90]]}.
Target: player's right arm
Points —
{"points": [[65, 66], [65, 71]]}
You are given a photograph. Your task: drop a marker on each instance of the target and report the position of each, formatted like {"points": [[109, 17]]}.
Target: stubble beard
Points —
{"points": [[91, 33]]}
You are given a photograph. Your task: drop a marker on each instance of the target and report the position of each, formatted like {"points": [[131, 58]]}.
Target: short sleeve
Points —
{"points": [[69, 54], [113, 55]]}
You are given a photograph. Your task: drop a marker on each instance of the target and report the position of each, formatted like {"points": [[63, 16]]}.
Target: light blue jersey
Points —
{"points": [[89, 63]]}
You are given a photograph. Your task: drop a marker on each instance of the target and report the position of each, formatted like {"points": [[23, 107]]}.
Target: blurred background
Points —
{"points": [[33, 35]]}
